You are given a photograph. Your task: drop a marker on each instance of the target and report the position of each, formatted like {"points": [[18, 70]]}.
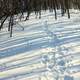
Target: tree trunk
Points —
{"points": [[3, 22], [11, 25], [68, 13]]}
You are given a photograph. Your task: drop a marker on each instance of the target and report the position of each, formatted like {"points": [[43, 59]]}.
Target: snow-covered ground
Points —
{"points": [[31, 52]]}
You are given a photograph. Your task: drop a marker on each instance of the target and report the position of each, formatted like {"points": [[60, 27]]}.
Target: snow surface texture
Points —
{"points": [[46, 49]]}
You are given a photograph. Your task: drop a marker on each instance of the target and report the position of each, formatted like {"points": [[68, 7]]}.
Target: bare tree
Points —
{"points": [[10, 8]]}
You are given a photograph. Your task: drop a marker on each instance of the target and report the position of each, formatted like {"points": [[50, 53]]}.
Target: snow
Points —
{"points": [[21, 56]]}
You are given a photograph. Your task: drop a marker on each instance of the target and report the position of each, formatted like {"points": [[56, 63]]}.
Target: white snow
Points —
{"points": [[21, 55]]}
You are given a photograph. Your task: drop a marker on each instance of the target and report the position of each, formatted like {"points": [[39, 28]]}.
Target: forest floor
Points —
{"points": [[23, 56]]}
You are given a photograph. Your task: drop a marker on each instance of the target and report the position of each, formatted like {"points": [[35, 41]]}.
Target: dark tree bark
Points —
{"points": [[2, 22], [11, 25]]}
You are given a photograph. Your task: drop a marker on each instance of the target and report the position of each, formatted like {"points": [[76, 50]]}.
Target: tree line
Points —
{"points": [[9, 8]]}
